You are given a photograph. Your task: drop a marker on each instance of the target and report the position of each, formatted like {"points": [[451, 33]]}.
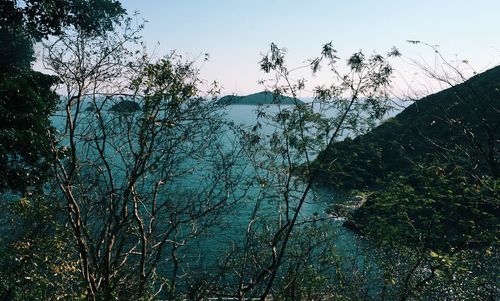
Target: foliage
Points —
{"points": [[434, 234], [36, 261], [26, 102], [36, 256], [26, 98], [40, 19], [136, 188], [276, 258], [433, 203]]}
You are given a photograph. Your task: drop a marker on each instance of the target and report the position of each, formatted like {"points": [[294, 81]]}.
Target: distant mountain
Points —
{"points": [[461, 123], [261, 98]]}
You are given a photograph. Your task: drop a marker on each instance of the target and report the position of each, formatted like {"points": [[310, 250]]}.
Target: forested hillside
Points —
{"points": [[430, 177], [460, 124], [428, 185]]}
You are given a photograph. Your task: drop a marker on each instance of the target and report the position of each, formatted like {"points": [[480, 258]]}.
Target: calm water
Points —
{"points": [[203, 252], [217, 242]]}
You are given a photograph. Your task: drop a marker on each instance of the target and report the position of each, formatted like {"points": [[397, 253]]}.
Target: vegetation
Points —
{"points": [[26, 96], [430, 181], [114, 188], [460, 124]]}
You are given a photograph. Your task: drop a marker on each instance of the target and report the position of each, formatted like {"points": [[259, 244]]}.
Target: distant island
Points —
{"points": [[261, 98], [126, 106]]}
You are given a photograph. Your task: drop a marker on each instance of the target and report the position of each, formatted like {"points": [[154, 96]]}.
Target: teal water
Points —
{"points": [[208, 247], [217, 242]]}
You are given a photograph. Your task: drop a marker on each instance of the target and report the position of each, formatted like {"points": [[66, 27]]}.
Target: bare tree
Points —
{"points": [[285, 166], [140, 161]]}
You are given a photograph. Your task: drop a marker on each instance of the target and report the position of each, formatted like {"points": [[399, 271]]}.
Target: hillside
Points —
{"points": [[462, 122], [261, 98], [431, 174]]}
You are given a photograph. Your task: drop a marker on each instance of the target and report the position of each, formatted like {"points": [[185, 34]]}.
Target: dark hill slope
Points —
{"points": [[461, 123]]}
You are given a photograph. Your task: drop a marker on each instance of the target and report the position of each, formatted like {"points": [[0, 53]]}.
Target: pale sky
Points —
{"points": [[235, 32]]}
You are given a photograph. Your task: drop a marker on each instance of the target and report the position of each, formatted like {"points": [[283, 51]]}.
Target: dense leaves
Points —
{"points": [[26, 102], [40, 19], [26, 98], [438, 232], [35, 263], [35, 252], [439, 208], [432, 203]]}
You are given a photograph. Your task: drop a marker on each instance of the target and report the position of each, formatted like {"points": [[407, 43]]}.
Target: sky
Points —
{"points": [[235, 33]]}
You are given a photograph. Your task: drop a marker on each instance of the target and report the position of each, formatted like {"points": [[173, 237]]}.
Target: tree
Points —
{"points": [[433, 215], [477, 131], [120, 173], [126, 172], [435, 233], [34, 250], [133, 136], [284, 171], [26, 98]]}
